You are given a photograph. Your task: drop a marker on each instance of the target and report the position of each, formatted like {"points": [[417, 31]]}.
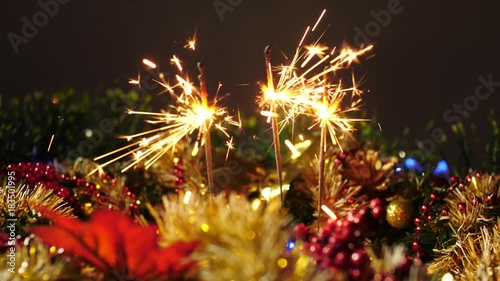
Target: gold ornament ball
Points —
{"points": [[88, 208], [399, 213]]}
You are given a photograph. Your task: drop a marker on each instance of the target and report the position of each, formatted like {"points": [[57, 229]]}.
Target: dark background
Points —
{"points": [[426, 59]]}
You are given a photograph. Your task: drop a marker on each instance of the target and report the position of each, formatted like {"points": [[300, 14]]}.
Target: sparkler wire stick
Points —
{"points": [[208, 142], [322, 147], [274, 123]]}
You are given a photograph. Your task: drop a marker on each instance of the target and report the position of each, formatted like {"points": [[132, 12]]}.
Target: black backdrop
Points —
{"points": [[428, 56]]}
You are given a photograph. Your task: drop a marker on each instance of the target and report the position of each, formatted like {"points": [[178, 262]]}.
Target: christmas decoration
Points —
{"points": [[239, 239], [399, 213], [310, 93], [340, 247], [299, 201], [472, 215], [40, 174], [354, 209], [117, 247], [33, 261], [193, 113], [366, 169], [19, 204]]}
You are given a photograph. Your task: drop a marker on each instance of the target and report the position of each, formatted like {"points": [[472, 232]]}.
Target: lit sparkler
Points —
{"points": [[303, 90], [192, 114], [274, 122]]}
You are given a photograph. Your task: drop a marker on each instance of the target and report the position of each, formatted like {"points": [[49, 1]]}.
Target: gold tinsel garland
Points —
{"points": [[240, 240], [27, 200], [349, 182], [482, 255], [192, 169], [33, 262], [112, 191], [476, 253], [391, 258]]}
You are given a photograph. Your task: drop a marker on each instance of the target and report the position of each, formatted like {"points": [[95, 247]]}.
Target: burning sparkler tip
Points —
{"points": [[267, 50]]}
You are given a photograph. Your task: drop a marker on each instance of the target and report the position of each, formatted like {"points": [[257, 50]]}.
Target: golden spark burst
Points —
{"points": [[191, 43], [301, 85], [175, 60], [191, 114], [230, 146], [310, 86], [329, 113]]}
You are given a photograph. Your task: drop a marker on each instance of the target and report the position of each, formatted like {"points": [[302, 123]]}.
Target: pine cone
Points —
{"points": [[299, 201], [364, 168]]}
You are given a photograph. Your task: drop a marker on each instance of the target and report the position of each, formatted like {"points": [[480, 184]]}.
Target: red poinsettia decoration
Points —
{"points": [[117, 246]]}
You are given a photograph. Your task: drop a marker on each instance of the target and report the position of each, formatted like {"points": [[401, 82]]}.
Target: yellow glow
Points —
{"points": [[205, 227], [255, 204], [322, 111], [230, 146], [187, 197], [195, 149], [282, 262], [191, 42], [268, 193], [328, 212], [149, 63], [268, 113], [295, 152], [175, 60], [474, 182], [270, 94], [191, 45], [202, 114], [314, 50], [447, 277]]}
